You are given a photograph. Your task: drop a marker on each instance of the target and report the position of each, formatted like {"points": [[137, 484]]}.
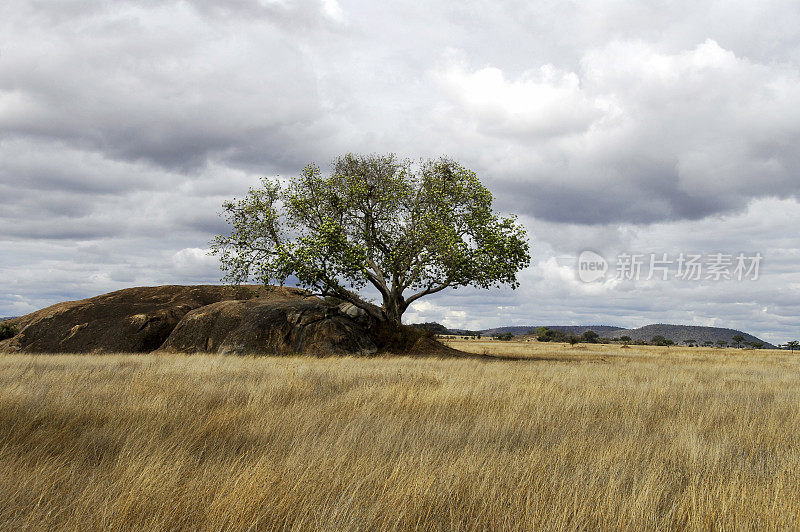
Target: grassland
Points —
{"points": [[593, 437]]}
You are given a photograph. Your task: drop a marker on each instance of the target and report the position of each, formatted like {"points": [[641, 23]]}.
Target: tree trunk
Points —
{"points": [[393, 308]]}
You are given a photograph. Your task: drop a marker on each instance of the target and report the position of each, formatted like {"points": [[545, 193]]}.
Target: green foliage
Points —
{"points": [[7, 331], [375, 220], [432, 326], [546, 334], [572, 339], [590, 337], [794, 344], [739, 339], [504, 336], [660, 340]]}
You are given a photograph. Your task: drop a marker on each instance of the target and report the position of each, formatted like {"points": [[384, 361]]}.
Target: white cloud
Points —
{"points": [[333, 10], [545, 102]]}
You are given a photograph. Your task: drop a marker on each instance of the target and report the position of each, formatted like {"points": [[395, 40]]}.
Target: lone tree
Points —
{"points": [[794, 344], [738, 339], [590, 337], [407, 230], [573, 339], [659, 340]]}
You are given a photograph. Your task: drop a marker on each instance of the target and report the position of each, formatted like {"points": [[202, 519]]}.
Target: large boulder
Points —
{"points": [[132, 320], [308, 326]]}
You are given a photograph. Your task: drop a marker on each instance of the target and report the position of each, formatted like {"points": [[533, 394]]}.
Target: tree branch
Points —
{"points": [[427, 291]]}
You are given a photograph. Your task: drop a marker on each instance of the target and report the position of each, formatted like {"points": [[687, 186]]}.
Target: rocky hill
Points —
{"points": [[203, 318]]}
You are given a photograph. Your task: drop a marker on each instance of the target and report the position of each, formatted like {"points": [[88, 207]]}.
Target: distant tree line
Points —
{"points": [[791, 346], [546, 334]]}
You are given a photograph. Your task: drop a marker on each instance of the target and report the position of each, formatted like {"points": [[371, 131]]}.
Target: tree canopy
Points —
{"points": [[405, 229]]}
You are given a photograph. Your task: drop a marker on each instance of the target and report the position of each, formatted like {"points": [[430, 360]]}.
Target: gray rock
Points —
{"points": [[353, 312], [307, 326], [133, 320]]}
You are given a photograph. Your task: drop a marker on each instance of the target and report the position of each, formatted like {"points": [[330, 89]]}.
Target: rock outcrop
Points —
{"points": [[213, 319], [308, 326], [133, 320]]}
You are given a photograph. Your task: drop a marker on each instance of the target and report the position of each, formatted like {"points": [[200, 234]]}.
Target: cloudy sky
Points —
{"points": [[618, 127]]}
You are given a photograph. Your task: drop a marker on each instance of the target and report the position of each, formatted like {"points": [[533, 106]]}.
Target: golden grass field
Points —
{"points": [[592, 437]]}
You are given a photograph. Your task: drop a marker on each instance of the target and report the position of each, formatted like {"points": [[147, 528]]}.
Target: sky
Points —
{"points": [[647, 129]]}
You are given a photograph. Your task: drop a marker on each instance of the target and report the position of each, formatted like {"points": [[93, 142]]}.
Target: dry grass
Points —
{"points": [[642, 438]]}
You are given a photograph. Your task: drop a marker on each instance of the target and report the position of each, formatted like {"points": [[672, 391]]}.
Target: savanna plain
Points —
{"points": [[548, 437]]}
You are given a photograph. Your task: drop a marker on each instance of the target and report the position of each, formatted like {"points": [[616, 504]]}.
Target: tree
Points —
{"points": [[7, 331], [690, 342], [722, 343], [546, 334], [738, 339], [794, 344], [590, 337], [543, 334], [659, 340], [573, 339], [406, 230]]}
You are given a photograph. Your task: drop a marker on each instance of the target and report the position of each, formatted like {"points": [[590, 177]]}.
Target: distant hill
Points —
{"points": [[681, 333], [4, 318], [605, 331], [677, 333], [438, 328]]}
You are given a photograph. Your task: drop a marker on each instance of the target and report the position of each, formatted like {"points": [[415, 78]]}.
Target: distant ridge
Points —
{"points": [[605, 331], [438, 328], [681, 333], [677, 333]]}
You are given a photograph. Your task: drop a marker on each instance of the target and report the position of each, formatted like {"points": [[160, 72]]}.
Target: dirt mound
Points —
{"points": [[307, 326], [426, 346], [131, 320]]}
